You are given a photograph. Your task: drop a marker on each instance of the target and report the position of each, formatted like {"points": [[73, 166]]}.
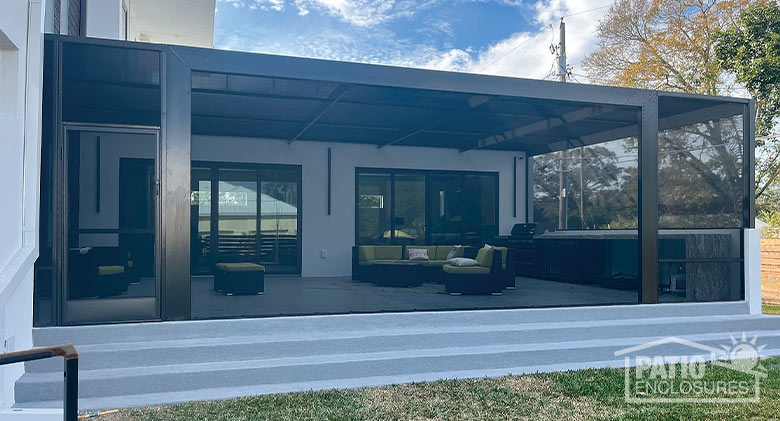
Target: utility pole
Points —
{"points": [[563, 179]]}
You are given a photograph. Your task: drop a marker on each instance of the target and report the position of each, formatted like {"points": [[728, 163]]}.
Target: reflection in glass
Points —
{"points": [[700, 174], [374, 202], [111, 227], [409, 209], [446, 212], [479, 205], [279, 220], [200, 235], [237, 216], [598, 185]]}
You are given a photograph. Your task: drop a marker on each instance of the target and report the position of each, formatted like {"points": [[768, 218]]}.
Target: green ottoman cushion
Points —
{"points": [[110, 270], [240, 267], [466, 270]]}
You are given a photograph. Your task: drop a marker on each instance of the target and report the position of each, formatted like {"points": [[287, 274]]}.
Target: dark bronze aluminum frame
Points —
{"points": [[178, 62]]}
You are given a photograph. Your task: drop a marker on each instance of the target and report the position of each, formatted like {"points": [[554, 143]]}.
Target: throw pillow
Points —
{"points": [[418, 254], [488, 246], [462, 261], [453, 253]]}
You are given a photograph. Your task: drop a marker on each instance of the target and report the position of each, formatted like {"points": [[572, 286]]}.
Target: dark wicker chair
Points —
{"points": [[475, 280]]}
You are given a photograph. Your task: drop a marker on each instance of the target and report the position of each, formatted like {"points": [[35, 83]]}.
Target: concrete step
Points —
{"points": [[204, 350], [402, 366], [181, 361], [276, 327]]}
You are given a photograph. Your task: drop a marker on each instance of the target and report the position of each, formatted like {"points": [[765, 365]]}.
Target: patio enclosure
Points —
{"points": [[161, 163]]}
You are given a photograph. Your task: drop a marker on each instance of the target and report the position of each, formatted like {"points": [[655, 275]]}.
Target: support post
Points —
{"points": [[648, 201], [174, 173], [749, 165], [70, 405]]}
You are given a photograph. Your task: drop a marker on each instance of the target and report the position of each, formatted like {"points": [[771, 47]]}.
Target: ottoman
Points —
{"points": [[239, 278]]}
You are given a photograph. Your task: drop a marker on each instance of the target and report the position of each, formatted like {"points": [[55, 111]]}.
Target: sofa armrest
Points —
{"points": [[495, 267]]}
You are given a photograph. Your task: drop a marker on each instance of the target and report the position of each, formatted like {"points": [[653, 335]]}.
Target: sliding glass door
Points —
{"points": [[245, 213], [409, 207], [373, 208], [446, 210], [279, 241], [426, 207]]}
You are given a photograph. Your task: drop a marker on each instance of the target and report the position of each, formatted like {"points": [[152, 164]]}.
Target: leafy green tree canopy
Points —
{"points": [[751, 51]]}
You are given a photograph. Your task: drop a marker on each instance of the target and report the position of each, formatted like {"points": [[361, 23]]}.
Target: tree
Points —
{"points": [[662, 44], [699, 46], [750, 50]]}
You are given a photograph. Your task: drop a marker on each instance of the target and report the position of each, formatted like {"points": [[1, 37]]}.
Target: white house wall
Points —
{"points": [[335, 234], [21, 56]]}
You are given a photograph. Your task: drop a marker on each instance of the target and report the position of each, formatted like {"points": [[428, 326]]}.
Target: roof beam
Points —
{"points": [[333, 98], [549, 123], [673, 121]]}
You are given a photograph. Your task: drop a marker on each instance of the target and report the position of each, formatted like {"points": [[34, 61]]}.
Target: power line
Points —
{"points": [[532, 36], [505, 54], [587, 11]]}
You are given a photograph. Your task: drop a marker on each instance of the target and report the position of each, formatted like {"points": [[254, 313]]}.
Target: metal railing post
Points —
{"points": [[70, 403]]}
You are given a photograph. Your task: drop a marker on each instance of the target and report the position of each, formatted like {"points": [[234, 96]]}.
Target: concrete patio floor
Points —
{"points": [[294, 295]]}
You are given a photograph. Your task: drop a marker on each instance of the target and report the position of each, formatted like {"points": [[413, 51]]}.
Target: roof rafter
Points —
{"points": [[548, 123], [321, 109]]}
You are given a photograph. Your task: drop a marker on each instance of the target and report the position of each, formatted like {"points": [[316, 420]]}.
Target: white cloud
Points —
{"points": [[528, 54], [277, 5], [523, 54]]}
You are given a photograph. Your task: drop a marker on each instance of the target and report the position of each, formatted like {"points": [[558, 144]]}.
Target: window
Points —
{"points": [[426, 207]]}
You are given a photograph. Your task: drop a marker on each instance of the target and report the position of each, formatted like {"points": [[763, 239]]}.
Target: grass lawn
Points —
{"points": [[770, 309], [574, 395]]}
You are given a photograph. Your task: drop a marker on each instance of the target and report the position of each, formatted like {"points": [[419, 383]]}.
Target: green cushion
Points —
{"points": [[366, 253], [240, 267], [484, 257], [110, 270], [431, 251], [466, 270], [388, 252], [377, 261], [443, 251], [438, 263], [504, 253]]}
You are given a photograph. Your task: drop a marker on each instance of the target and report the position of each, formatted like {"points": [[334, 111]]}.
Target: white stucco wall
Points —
{"points": [[752, 264], [105, 19], [335, 233], [21, 46]]}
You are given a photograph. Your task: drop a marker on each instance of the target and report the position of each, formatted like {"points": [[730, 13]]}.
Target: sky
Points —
{"points": [[499, 37]]}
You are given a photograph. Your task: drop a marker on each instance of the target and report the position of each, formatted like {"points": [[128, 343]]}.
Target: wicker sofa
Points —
{"points": [[363, 257]]}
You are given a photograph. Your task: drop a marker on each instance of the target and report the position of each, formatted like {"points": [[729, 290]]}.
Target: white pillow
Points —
{"points": [[453, 253], [418, 254], [488, 246], [462, 261]]}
